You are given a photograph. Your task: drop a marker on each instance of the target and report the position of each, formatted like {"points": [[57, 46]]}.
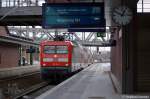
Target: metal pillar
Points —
{"points": [[20, 55], [0, 3], [129, 52], [56, 33], [97, 49], [31, 56]]}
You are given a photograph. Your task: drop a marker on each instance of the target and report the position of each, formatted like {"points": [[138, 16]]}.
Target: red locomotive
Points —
{"points": [[62, 57]]}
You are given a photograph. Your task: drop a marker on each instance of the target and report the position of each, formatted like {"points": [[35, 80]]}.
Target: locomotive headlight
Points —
{"points": [[44, 64], [66, 65], [62, 59], [47, 59]]}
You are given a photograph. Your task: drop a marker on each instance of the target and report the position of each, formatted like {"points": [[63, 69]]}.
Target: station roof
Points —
{"points": [[19, 41]]}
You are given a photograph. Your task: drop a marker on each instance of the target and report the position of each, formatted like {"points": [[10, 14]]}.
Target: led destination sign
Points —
{"points": [[73, 15], [72, 10]]}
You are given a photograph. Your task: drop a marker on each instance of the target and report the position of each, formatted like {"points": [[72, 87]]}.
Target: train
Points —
{"points": [[63, 58]]}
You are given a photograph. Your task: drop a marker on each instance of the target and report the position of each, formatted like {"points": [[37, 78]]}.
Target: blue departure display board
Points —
{"points": [[73, 15]]}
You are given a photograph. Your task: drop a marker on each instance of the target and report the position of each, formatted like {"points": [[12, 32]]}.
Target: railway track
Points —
{"points": [[12, 86], [26, 86], [18, 77], [34, 91]]}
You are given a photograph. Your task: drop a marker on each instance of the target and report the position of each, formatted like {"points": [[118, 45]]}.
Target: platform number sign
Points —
{"points": [[101, 34]]}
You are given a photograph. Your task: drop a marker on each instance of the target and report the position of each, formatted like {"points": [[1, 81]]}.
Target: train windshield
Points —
{"points": [[61, 49], [49, 49], [55, 49]]}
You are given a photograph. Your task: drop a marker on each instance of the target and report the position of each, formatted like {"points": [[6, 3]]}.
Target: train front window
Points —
{"points": [[61, 49], [49, 49]]}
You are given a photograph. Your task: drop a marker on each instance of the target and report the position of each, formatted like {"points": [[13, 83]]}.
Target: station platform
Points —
{"points": [[93, 82], [19, 70]]}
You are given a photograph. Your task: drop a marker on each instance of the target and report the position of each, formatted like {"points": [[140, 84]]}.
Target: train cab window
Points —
{"points": [[61, 49], [49, 49]]}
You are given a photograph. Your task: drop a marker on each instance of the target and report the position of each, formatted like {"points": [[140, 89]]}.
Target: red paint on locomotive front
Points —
{"points": [[55, 56]]}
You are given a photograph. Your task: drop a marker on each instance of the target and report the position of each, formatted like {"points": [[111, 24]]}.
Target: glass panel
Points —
{"points": [[139, 10], [30, 34], [41, 2], [146, 1], [146, 10], [24, 4], [49, 49], [62, 49], [3, 4], [139, 6], [147, 5], [11, 3], [140, 1]]}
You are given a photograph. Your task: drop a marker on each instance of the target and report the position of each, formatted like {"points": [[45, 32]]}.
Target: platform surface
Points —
{"points": [[18, 70], [92, 83]]}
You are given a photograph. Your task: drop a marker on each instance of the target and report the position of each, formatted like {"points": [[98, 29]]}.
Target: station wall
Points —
{"points": [[3, 31], [143, 53], [130, 58], [9, 55], [116, 60]]}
